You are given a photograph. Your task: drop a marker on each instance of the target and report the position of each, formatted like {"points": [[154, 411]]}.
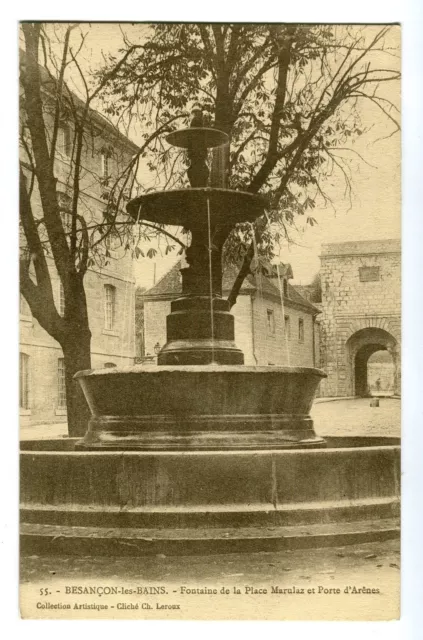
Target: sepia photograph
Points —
{"points": [[210, 321]]}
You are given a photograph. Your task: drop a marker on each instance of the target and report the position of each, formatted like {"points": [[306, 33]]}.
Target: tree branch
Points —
{"points": [[39, 296], [58, 108], [284, 59], [44, 169]]}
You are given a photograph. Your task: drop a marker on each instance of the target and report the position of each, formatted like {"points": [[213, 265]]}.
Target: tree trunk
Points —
{"points": [[77, 355]]}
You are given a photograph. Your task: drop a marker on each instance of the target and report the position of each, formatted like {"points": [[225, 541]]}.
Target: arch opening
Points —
{"points": [[374, 362]]}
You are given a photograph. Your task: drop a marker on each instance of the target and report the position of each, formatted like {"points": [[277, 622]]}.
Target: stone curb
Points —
{"points": [[56, 540], [340, 398]]}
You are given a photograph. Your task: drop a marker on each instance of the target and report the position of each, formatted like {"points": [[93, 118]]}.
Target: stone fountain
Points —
{"points": [[201, 396], [202, 453]]}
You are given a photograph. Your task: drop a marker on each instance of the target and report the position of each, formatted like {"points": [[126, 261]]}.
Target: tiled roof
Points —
{"points": [[170, 285]]}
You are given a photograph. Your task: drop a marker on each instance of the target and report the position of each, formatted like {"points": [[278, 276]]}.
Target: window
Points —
{"points": [[105, 164], [63, 144], [270, 322], [109, 306], [285, 287], [287, 327], [301, 330], [24, 381], [109, 365], [61, 299], [61, 384], [369, 274]]}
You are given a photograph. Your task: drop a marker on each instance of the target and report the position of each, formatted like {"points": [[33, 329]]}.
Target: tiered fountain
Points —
{"points": [[201, 396], [201, 452]]}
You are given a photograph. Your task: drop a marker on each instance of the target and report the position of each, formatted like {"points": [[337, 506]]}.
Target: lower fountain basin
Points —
{"points": [[200, 407], [184, 502]]}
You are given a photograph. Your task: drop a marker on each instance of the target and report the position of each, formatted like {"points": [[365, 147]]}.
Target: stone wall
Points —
{"points": [[155, 312], [112, 346], [244, 327], [361, 303], [115, 346], [271, 347]]}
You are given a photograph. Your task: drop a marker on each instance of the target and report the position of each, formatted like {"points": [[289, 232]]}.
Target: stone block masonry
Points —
{"points": [[361, 304]]}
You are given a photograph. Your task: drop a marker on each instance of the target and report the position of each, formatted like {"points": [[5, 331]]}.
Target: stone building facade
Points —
{"points": [[266, 332], [109, 283], [361, 313]]}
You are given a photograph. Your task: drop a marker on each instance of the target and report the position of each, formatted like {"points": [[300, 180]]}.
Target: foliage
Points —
{"points": [[289, 96]]}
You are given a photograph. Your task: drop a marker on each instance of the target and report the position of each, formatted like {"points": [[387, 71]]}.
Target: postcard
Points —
{"points": [[210, 321]]}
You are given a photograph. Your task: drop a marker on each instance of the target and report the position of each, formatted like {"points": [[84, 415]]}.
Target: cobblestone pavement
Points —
{"points": [[302, 564], [337, 417], [357, 417], [372, 566]]}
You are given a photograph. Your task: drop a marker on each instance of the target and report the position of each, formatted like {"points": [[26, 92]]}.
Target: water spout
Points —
{"points": [[210, 249], [219, 166], [283, 315]]}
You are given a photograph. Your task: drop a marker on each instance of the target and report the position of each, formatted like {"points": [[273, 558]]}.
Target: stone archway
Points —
{"points": [[361, 345]]}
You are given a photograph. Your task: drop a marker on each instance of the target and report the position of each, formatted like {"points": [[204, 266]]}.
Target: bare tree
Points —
{"points": [[60, 229]]}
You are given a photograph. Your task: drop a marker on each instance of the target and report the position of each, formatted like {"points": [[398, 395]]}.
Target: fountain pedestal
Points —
{"points": [[193, 336], [189, 339]]}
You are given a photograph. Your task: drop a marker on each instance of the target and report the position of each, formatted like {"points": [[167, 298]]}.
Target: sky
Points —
{"points": [[372, 212]]}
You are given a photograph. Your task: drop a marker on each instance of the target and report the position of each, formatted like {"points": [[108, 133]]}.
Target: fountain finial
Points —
{"points": [[198, 171], [197, 113], [197, 139]]}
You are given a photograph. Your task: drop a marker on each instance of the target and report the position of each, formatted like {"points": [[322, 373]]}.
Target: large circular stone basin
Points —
{"points": [[200, 407], [179, 502], [188, 207]]}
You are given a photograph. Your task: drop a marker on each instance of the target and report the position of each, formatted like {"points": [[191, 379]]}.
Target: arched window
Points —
{"points": [[109, 306], [24, 381]]}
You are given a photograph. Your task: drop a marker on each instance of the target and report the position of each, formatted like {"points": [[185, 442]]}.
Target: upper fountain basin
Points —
{"points": [[195, 137], [188, 207]]}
